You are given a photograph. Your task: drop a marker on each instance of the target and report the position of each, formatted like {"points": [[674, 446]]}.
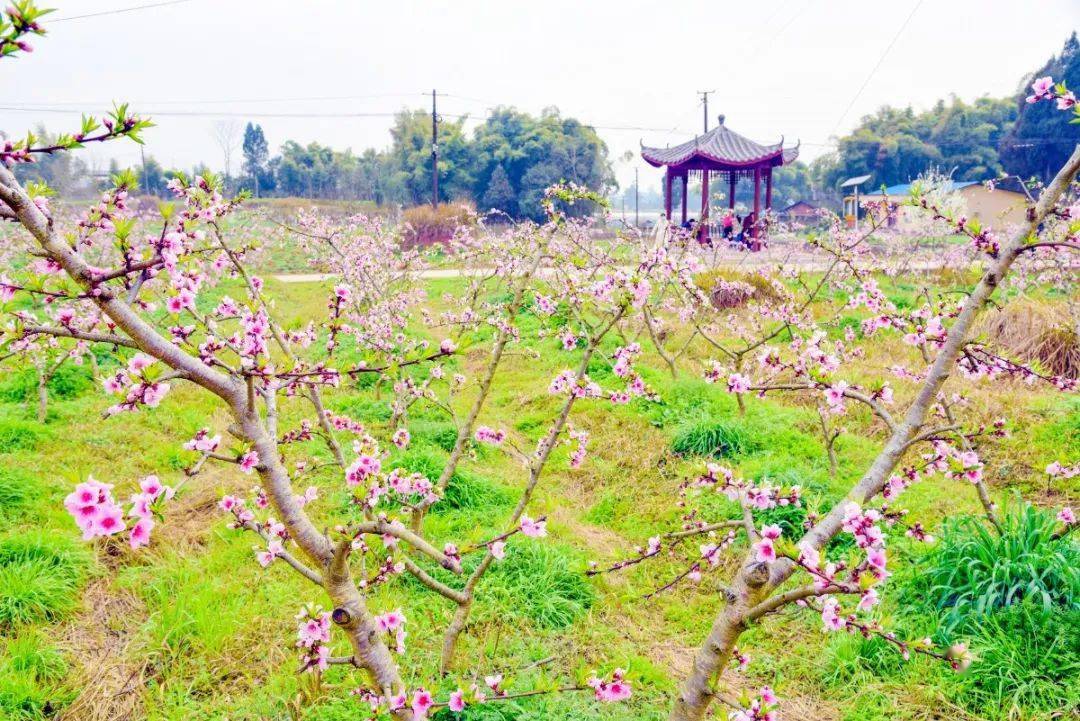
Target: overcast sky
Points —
{"points": [[778, 67]]}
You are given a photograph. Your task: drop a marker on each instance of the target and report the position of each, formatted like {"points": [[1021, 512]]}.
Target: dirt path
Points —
{"points": [[729, 259]]}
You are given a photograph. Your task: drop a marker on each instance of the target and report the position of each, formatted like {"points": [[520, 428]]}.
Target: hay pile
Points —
{"points": [[1046, 335]]}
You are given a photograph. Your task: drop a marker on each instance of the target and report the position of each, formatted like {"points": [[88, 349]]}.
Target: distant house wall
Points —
{"points": [[997, 208]]}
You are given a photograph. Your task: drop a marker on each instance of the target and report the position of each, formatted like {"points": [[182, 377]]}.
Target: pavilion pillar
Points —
{"points": [[733, 177], [703, 222], [667, 194], [757, 202], [768, 189], [685, 191]]}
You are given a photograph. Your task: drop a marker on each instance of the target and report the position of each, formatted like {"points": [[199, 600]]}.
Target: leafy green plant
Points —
{"points": [[1027, 660], [974, 571]]}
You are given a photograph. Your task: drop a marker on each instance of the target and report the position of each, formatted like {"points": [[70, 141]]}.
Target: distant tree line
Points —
{"points": [[506, 164]]}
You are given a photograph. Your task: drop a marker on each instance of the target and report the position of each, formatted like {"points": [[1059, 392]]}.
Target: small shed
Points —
{"points": [[800, 212]]}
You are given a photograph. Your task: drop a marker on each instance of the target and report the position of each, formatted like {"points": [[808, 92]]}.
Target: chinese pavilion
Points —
{"points": [[721, 155]]}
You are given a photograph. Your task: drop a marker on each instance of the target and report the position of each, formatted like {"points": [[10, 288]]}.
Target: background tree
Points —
{"points": [[152, 177], [538, 152], [256, 156], [896, 145], [500, 194], [410, 155], [227, 135]]}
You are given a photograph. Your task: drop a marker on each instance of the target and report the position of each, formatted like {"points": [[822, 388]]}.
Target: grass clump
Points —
{"points": [[31, 672], [39, 577], [1036, 332], [853, 658], [19, 488], [717, 438], [974, 571], [1027, 662], [538, 582], [439, 434], [19, 435], [363, 409], [470, 492]]}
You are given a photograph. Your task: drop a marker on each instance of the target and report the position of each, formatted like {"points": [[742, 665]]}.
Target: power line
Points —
{"points": [[877, 65], [119, 10], [222, 113], [239, 100], [267, 114]]}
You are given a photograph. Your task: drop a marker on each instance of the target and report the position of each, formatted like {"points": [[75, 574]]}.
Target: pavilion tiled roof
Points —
{"points": [[721, 145]]}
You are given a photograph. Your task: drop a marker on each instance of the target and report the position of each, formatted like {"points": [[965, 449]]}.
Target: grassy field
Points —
{"points": [[191, 628]]}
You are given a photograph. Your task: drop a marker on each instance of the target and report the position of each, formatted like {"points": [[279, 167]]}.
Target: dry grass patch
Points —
{"points": [[1031, 331]]}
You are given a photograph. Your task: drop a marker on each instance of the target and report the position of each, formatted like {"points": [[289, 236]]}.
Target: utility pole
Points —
{"points": [[637, 224], [145, 181], [434, 153], [705, 105]]}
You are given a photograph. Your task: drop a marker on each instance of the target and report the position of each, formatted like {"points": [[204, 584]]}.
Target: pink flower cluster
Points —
{"points": [[533, 529], [581, 437], [567, 381], [834, 397], [392, 623], [624, 359], [762, 708], [955, 464], [545, 305], [313, 638], [485, 434], [140, 388], [97, 513], [364, 467], [738, 383], [203, 442], [1057, 470], [617, 688], [1044, 89], [760, 496]]}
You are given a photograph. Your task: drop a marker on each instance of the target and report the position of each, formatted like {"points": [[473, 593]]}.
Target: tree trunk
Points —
{"points": [[696, 692], [715, 654], [42, 396]]}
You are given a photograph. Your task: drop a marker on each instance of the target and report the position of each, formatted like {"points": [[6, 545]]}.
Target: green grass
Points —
{"points": [[541, 582], [20, 489], [218, 631], [17, 434], [39, 578], [69, 381], [32, 675]]}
